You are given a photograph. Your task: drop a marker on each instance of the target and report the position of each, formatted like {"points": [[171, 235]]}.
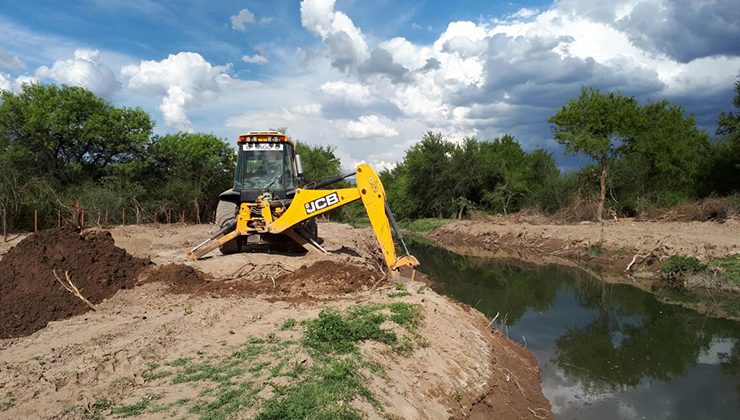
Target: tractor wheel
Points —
{"points": [[226, 214]]}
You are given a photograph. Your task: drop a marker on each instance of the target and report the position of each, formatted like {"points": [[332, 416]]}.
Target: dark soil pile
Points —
{"points": [[328, 277], [320, 278], [30, 295], [180, 278]]}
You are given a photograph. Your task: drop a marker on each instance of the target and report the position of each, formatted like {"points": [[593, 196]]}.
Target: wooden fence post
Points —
{"points": [[82, 223], [35, 220], [59, 218], [123, 216], [106, 217], [169, 216]]}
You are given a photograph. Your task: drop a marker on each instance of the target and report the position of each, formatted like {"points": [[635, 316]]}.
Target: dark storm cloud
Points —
{"points": [[682, 29], [381, 63]]}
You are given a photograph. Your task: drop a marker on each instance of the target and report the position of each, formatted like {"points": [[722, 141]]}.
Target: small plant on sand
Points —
{"points": [[728, 267], [678, 265], [675, 269], [288, 324], [400, 291], [188, 310], [135, 409], [9, 401], [595, 251]]}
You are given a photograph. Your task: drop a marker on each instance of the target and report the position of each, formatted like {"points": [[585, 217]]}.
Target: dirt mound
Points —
{"points": [[30, 296], [180, 278], [320, 278], [328, 277]]}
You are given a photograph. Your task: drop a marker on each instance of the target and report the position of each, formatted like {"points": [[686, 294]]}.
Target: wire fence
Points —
{"points": [[80, 217]]}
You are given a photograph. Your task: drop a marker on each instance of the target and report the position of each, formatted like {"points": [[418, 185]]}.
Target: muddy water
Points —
{"points": [[606, 351]]}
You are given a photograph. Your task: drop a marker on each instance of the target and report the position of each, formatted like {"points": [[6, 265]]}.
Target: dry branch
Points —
{"points": [[71, 288]]}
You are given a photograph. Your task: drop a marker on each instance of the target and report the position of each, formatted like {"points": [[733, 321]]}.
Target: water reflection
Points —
{"points": [[606, 351]]}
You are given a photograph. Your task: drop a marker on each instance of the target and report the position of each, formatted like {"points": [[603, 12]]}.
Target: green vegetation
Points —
{"points": [[595, 251], [422, 225], [131, 410], [401, 291], [288, 324], [321, 388], [62, 145], [643, 158], [679, 265], [728, 267], [8, 402]]}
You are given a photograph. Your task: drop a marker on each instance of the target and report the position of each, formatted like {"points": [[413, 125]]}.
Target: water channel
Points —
{"points": [[606, 351]]}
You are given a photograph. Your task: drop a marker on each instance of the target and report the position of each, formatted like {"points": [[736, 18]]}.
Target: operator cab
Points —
{"points": [[265, 161]]}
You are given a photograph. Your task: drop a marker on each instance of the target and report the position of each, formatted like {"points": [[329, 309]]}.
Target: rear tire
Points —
{"points": [[225, 215]]}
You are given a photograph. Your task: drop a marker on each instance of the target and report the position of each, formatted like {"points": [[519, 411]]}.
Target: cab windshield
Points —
{"points": [[262, 166]]}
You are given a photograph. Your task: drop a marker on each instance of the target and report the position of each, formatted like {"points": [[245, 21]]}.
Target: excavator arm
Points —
{"points": [[308, 203]]}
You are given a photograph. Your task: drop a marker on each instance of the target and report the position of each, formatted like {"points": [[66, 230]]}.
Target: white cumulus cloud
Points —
{"points": [[85, 70], [182, 79], [255, 59], [347, 45], [352, 93], [368, 126], [239, 21], [7, 82]]}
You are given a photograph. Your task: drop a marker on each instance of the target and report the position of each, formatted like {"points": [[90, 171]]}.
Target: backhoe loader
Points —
{"points": [[266, 208]]}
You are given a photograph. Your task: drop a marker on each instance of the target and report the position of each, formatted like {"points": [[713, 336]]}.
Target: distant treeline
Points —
{"points": [[645, 157], [63, 145]]}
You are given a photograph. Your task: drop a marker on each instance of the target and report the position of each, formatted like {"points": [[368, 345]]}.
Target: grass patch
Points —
{"points": [[135, 409], [400, 291], [322, 389], [728, 267], [324, 393], [677, 265], [288, 324], [333, 332], [721, 270], [595, 251], [9, 401], [422, 225]]}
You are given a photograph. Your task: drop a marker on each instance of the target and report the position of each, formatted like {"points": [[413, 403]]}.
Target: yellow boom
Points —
{"points": [[308, 203]]}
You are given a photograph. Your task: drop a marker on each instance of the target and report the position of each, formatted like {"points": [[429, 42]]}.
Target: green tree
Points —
{"points": [[396, 184], [319, 162], [67, 133], [662, 162], [192, 169], [430, 181], [596, 124], [723, 172]]}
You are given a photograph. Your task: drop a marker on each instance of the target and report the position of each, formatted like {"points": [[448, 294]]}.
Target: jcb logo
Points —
{"points": [[321, 203]]}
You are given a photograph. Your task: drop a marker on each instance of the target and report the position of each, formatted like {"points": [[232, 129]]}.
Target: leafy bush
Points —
{"points": [[679, 265]]}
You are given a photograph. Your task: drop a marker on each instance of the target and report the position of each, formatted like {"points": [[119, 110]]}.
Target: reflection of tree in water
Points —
{"points": [[729, 363], [492, 287], [633, 337]]}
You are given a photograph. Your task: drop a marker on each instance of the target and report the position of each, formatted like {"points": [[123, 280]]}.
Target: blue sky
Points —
{"points": [[371, 77]]}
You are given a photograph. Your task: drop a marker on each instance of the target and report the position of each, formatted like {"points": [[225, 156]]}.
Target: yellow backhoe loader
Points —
{"points": [[266, 208]]}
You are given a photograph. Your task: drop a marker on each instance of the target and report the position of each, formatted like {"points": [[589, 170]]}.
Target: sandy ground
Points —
{"points": [[467, 370]]}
